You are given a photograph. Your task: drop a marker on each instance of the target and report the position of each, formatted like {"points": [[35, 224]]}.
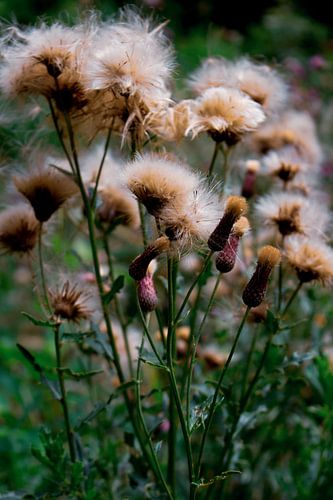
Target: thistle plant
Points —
{"points": [[158, 321]]}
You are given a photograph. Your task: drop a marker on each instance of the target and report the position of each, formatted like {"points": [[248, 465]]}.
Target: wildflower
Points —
{"points": [[138, 268], [236, 206], [226, 258], [46, 190], [70, 303], [45, 61], [284, 164], [172, 122], [291, 213], [226, 114], [248, 187], [18, 230], [295, 129], [311, 259], [255, 290], [129, 66], [117, 207], [259, 81], [158, 182]]}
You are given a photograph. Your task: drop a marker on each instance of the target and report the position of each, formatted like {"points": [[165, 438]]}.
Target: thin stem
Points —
{"points": [[143, 224], [248, 362], [280, 282], [41, 268], [60, 137], [99, 172], [142, 419], [195, 345], [225, 167], [291, 298], [147, 333], [172, 435], [217, 390], [212, 163], [118, 308], [190, 290], [63, 400]]}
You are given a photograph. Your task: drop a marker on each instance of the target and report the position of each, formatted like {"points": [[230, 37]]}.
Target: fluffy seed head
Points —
{"points": [[69, 303], [241, 227], [46, 191], [290, 213], [226, 114], [269, 256], [18, 230], [311, 259], [236, 206], [172, 122], [158, 182]]}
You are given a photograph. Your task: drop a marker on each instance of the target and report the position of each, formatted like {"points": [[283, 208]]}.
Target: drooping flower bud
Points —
{"points": [[236, 207], [248, 188], [147, 294], [138, 268], [255, 290], [226, 258]]}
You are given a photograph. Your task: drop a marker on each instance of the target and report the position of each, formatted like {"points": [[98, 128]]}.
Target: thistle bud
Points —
{"points": [[235, 207], [147, 295], [255, 290], [248, 188], [226, 258], [138, 268]]}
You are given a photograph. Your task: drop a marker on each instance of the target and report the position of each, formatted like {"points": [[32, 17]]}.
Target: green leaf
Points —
{"points": [[150, 358], [204, 483], [39, 322], [117, 285], [80, 375], [52, 386], [77, 337]]}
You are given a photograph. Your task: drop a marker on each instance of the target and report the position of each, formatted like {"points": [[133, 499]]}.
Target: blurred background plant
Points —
{"points": [[284, 446]]}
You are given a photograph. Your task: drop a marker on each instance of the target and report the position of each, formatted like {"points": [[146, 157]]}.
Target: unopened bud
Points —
{"points": [[235, 207], [147, 294], [254, 292], [226, 258], [138, 268], [248, 188]]}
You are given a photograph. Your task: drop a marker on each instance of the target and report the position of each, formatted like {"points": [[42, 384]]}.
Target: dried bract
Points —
{"points": [[18, 230]]}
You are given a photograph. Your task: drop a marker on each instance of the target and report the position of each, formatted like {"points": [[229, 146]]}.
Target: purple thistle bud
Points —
{"points": [[147, 294], [226, 258], [235, 207]]}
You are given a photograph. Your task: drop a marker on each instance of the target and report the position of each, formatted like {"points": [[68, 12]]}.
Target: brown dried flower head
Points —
{"points": [[70, 303], [254, 292], [46, 190], [226, 114], [236, 206], [311, 259], [18, 230], [117, 207]]}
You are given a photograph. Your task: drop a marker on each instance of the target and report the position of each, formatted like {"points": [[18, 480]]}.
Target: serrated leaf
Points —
{"points": [[77, 337], [204, 483], [80, 375], [39, 322], [199, 413], [117, 285], [52, 386]]}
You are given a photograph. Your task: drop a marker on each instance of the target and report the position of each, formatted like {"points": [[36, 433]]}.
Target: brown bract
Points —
{"points": [[18, 230], [69, 303], [46, 190]]}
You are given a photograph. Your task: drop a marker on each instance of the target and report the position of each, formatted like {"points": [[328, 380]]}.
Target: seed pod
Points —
{"points": [[138, 268], [235, 207], [255, 290]]}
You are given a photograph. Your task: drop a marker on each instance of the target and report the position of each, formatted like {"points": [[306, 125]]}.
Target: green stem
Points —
{"points": [[118, 308], [280, 281], [217, 391], [291, 298], [195, 345], [225, 167], [63, 400], [212, 163], [190, 290], [41, 269], [248, 362], [143, 224], [99, 172], [142, 419], [172, 435]]}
